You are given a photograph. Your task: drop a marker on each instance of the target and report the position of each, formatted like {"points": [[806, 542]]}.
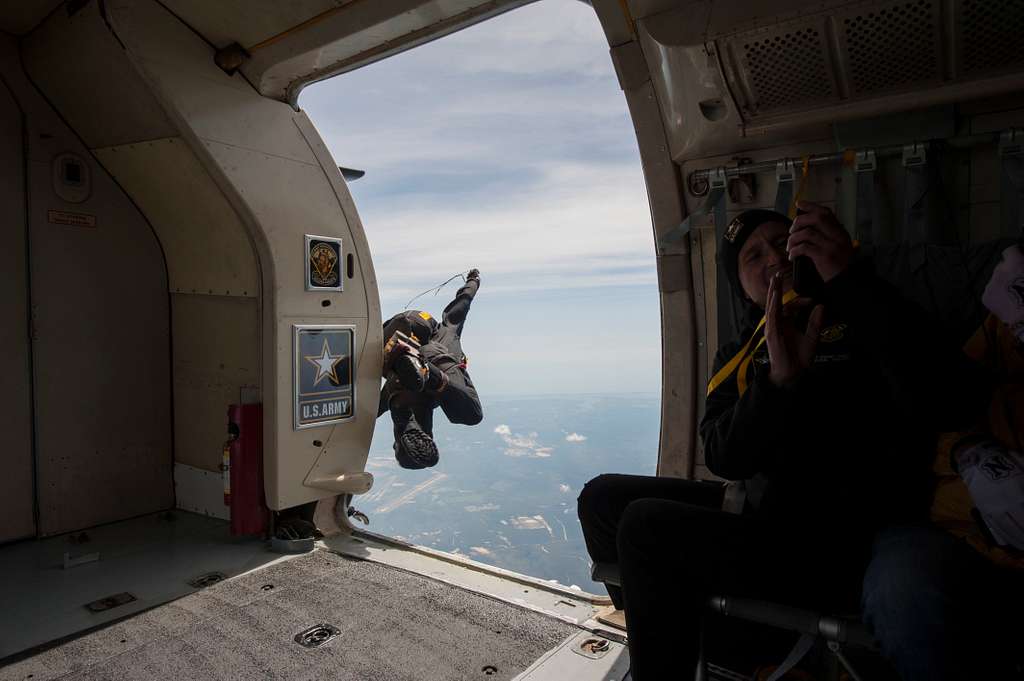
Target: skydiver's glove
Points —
{"points": [[994, 476], [473, 274], [1004, 294]]}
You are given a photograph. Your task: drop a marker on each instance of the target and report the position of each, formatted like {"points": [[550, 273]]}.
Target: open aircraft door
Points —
{"points": [[273, 297]]}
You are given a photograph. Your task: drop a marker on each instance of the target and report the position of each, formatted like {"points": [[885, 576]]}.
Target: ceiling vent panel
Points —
{"points": [[991, 35], [895, 45], [783, 68]]}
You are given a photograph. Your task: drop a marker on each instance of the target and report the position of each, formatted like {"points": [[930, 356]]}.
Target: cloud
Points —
{"points": [[519, 445], [576, 226], [480, 551], [536, 522], [508, 147], [564, 489], [510, 139], [482, 507], [575, 437]]}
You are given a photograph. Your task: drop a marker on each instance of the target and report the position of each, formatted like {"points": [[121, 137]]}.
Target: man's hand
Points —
{"points": [[473, 274], [1004, 294], [790, 351], [994, 476], [818, 235]]}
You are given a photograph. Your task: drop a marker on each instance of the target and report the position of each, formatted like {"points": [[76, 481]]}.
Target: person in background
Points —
{"points": [[827, 409], [942, 598]]}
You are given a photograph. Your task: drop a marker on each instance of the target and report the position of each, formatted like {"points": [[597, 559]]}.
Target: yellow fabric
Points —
{"points": [[805, 169], [995, 347], [425, 315], [730, 366], [742, 357]]}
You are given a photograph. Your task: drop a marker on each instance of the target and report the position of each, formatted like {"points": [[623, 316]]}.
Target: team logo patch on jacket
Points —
{"points": [[833, 333]]}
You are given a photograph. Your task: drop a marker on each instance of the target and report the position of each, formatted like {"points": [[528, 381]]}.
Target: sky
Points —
{"points": [[508, 147]]}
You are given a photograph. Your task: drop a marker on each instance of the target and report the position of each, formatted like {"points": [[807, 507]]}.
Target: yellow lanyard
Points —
{"points": [[741, 360], [805, 169]]}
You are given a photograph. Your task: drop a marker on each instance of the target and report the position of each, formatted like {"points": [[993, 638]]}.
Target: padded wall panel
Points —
{"points": [[16, 486], [214, 358]]}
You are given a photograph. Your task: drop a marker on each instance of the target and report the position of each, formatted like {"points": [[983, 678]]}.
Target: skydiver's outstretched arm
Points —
{"points": [[455, 313]]}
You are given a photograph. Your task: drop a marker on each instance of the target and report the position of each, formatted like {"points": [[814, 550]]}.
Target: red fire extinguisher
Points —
{"points": [[243, 483], [225, 467]]}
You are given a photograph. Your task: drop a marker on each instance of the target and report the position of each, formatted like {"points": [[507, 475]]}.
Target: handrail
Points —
{"points": [[847, 156]]}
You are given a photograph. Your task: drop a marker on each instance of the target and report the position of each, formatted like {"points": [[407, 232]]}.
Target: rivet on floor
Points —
{"points": [[490, 670]]}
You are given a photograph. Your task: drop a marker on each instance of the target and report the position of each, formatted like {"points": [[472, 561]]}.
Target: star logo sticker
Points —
{"points": [[326, 364]]}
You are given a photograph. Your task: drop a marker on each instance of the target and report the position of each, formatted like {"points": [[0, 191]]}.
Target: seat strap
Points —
{"points": [[1011, 156], [864, 166], [915, 197], [799, 652], [785, 179], [735, 497], [714, 202]]}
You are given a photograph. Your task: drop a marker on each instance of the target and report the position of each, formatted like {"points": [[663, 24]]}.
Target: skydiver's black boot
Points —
{"points": [[414, 448]]}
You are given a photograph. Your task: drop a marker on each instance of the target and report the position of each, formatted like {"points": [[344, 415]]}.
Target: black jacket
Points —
{"points": [[850, 443]]}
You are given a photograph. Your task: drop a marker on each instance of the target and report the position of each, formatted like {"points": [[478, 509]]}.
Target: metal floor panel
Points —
{"points": [[151, 557], [393, 625]]}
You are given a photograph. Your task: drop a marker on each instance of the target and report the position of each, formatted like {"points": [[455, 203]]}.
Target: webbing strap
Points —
{"points": [[915, 192], [735, 497], [864, 166], [1011, 154], [799, 652], [805, 170], [785, 177], [728, 314], [714, 202], [741, 377]]}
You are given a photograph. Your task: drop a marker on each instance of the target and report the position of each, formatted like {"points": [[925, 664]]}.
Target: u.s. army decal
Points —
{"points": [[323, 374]]}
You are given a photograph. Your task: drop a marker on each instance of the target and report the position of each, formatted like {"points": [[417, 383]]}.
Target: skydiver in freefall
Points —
{"points": [[425, 367]]}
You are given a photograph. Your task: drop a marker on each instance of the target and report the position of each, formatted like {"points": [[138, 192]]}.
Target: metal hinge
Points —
{"points": [[785, 170], [209, 579], [865, 161], [915, 154]]}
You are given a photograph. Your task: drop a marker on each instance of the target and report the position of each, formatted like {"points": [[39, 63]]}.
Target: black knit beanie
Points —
{"points": [[738, 231], [746, 312]]}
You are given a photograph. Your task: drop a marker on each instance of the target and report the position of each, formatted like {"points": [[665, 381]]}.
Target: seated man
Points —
{"points": [[828, 410], [427, 369], [939, 610]]}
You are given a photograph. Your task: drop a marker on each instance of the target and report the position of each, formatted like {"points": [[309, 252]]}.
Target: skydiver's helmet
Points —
{"points": [[416, 324]]}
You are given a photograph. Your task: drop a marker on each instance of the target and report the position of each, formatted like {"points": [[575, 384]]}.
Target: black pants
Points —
{"points": [[675, 548]]}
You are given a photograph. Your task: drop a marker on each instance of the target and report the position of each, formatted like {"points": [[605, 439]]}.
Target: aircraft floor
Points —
{"points": [[394, 625], [152, 557]]}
